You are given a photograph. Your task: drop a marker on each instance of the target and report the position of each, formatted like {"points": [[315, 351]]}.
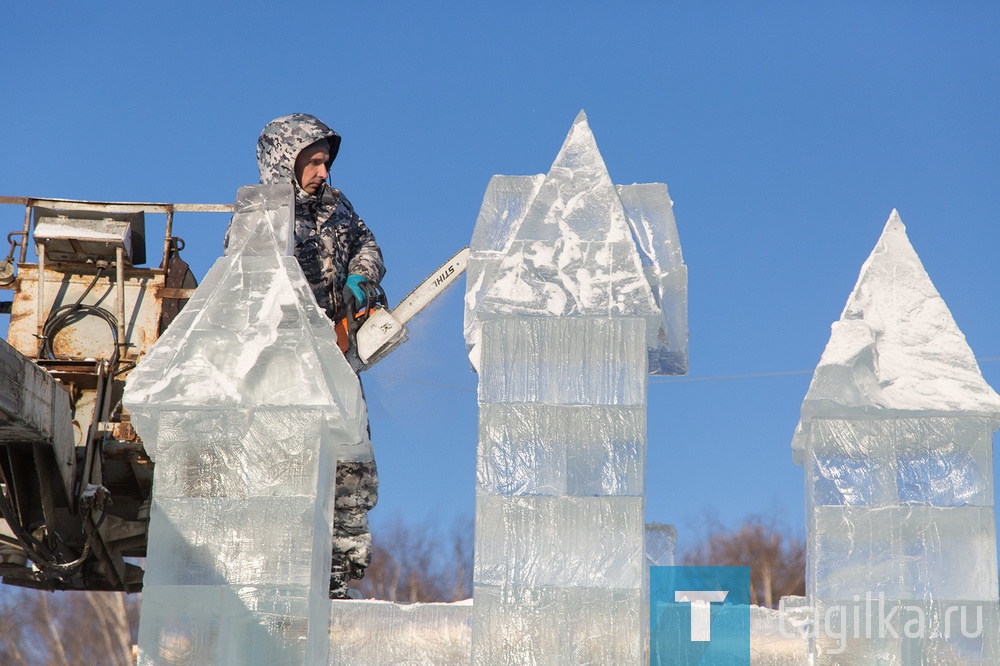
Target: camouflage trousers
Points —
{"points": [[356, 494]]}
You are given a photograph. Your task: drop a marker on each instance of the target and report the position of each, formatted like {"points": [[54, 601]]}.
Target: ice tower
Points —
{"points": [[896, 441], [245, 404], [576, 290]]}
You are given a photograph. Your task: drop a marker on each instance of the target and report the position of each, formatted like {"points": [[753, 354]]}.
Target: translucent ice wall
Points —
{"points": [[563, 315], [896, 440], [370, 632], [244, 404], [778, 637]]}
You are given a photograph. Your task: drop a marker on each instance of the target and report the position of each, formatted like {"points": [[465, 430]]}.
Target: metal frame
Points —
{"points": [[113, 207], [111, 537]]}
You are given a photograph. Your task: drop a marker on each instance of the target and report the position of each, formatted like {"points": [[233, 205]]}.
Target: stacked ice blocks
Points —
{"points": [[567, 277], [370, 632], [896, 440], [244, 404], [777, 637]]}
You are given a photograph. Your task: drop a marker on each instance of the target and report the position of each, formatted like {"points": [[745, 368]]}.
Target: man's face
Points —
{"points": [[310, 166]]}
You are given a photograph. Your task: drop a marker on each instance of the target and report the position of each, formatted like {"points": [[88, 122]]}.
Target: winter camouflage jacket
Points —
{"points": [[331, 241]]}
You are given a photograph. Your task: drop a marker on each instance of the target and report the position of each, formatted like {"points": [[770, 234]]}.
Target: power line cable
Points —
{"points": [[755, 375]]}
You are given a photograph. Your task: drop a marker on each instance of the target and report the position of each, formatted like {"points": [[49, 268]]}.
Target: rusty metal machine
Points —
{"points": [[75, 481]]}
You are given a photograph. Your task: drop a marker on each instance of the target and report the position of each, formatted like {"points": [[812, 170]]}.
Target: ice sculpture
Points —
{"points": [[431, 634], [245, 404], [368, 632], [576, 290], [778, 637], [661, 544], [896, 441]]}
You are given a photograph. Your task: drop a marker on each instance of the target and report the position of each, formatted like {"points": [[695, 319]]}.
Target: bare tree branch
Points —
{"points": [[50, 624], [419, 563], [777, 561]]}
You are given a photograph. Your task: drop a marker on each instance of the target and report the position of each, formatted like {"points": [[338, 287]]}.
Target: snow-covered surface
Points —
{"points": [[370, 632]]}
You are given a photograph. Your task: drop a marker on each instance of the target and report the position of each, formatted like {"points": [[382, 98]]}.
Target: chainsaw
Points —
{"points": [[372, 330]]}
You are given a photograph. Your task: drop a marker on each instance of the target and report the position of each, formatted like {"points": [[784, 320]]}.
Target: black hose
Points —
{"points": [[66, 314], [44, 562], [60, 317]]}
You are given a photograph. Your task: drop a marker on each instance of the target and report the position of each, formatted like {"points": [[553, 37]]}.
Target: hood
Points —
{"points": [[281, 141]]}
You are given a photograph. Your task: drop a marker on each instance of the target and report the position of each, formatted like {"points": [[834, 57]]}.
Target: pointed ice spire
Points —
{"points": [[252, 335], [573, 253], [245, 404], [896, 346], [577, 199]]}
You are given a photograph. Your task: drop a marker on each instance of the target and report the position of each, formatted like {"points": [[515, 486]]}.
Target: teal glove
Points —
{"points": [[354, 284]]}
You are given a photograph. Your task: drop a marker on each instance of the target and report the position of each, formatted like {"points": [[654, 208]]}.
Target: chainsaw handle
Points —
{"points": [[357, 313], [374, 297]]}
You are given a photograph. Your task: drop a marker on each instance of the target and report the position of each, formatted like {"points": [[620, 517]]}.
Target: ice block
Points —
{"points": [[896, 440], [576, 293], [245, 404]]}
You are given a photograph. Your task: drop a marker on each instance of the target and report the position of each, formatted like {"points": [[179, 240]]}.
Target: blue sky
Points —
{"points": [[786, 132]]}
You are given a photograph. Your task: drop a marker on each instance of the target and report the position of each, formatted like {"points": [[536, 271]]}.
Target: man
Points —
{"points": [[336, 250]]}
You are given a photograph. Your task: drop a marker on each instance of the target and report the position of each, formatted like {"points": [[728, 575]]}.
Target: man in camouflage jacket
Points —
{"points": [[335, 249]]}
